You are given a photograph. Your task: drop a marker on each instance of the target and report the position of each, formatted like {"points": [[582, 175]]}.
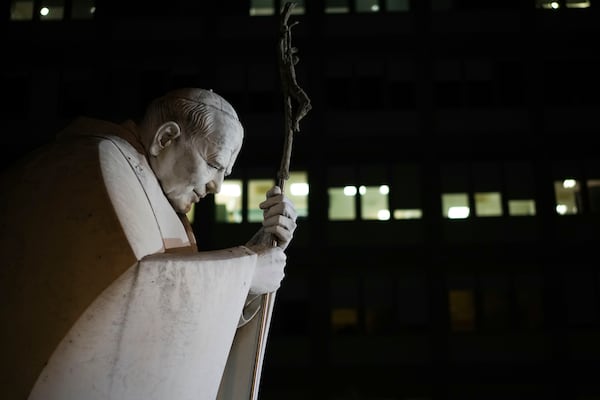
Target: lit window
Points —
{"points": [[336, 7], [578, 4], [521, 207], [488, 204], [567, 196], [367, 6], [374, 202], [455, 205], [406, 198], [21, 10], [262, 7], [462, 310], [342, 204], [518, 188], [415, 213], [556, 4], [190, 214], [228, 202], [548, 4], [296, 189], [257, 193], [52, 10]]}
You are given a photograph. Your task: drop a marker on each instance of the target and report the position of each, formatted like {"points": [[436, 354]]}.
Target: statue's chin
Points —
{"points": [[181, 205]]}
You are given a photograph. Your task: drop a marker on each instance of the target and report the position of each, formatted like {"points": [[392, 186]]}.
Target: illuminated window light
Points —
{"points": [[521, 207], [578, 4], [458, 212], [299, 189], [228, 202], [383, 215], [337, 10], [350, 190], [341, 203], [190, 214], [362, 190], [488, 204], [375, 7], [552, 5], [256, 195], [408, 214], [569, 183], [458, 202], [231, 190]]}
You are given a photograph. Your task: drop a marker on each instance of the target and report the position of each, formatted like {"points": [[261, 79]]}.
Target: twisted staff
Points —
{"points": [[293, 114], [291, 91]]}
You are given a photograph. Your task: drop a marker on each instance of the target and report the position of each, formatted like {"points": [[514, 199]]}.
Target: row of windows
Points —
{"points": [[480, 190], [368, 85], [475, 303], [459, 83], [268, 7], [52, 10], [24, 10]]}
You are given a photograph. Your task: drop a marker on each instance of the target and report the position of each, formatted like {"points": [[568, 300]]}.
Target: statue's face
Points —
{"points": [[191, 168]]}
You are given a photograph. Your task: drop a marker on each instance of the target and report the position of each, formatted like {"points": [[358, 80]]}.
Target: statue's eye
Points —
{"points": [[213, 163], [215, 166]]}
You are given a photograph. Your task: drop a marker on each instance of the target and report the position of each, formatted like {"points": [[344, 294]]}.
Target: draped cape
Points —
{"points": [[103, 293]]}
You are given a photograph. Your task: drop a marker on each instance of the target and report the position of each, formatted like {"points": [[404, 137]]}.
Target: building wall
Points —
{"points": [[470, 98]]}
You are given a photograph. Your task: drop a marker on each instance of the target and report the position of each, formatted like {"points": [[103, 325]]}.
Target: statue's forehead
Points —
{"points": [[226, 131], [221, 144]]}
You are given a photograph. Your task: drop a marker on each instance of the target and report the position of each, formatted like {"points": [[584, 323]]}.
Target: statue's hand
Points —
{"points": [[279, 221], [269, 271]]}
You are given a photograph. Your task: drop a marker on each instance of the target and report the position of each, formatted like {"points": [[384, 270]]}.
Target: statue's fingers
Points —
{"points": [[284, 208], [280, 226]]}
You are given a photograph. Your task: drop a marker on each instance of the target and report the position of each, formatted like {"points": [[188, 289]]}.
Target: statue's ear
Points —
{"points": [[164, 136]]}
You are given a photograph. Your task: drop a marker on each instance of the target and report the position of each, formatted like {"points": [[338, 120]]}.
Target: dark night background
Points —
{"points": [[429, 97]]}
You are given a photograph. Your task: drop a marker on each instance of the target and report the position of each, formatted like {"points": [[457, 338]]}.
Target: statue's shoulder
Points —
{"points": [[121, 136], [85, 126]]}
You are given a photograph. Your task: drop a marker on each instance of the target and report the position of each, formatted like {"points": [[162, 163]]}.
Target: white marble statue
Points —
{"points": [[103, 292]]}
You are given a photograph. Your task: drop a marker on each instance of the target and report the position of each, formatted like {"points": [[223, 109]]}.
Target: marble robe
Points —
{"points": [[103, 294]]}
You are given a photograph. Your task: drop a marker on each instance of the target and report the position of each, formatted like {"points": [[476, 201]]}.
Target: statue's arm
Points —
{"points": [[205, 259]]}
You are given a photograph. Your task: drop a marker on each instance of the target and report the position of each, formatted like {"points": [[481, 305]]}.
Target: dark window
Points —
{"points": [[479, 93], [401, 95], [511, 84], [339, 92], [16, 88], [370, 93], [448, 94]]}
